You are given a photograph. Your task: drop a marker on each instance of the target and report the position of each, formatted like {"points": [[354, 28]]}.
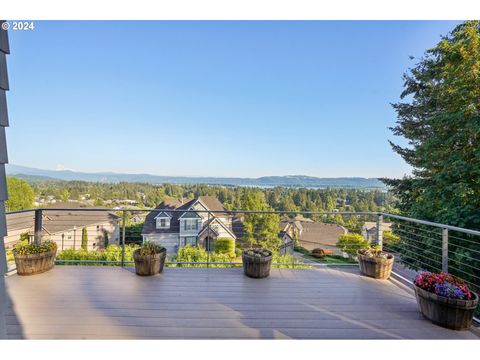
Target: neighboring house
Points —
{"points": [[311, 235], [137, 217], [288, 244], [65, 227], [369, 230], [175, 229]]}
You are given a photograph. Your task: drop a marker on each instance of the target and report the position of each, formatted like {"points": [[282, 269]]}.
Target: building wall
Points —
{"points": [[170, 241], [95, 234], [4, 50]]}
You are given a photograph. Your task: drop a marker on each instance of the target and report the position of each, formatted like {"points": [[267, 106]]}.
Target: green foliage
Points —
{"points": [[260, 229], [232, 197], [288, 262], [351, 243], [198, 254], [224, 246], [20, 195], [10, 255], [150, 248], [133, 233], [111, 253], [24, 237], [390, 239], [441, 122], [84, 238], [23, 248]]}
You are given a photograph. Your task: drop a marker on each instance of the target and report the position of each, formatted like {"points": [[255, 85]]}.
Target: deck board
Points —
{"points": [[76, 302]]}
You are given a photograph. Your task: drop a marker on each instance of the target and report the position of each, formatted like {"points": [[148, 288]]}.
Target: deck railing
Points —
{"points": [[417, 244]]}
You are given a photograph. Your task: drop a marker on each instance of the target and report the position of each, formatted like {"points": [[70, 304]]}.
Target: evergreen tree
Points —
{"points": [[441, 121], [442, 126], [84, 238]]}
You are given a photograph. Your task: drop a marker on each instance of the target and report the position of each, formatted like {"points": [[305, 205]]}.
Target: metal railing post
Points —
{"points": [[37, 239], [124, 220], [445, 250], [208, 243], [379, 231]]}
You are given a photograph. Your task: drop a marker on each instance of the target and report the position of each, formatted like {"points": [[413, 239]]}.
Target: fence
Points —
{"points": [[418, 245]]}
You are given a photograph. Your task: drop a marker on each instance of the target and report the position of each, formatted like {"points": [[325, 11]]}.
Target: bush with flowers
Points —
{"points": [[443, 284]]}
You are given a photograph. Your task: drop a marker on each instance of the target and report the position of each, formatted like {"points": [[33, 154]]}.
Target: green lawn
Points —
{"points": [[329, 259]]}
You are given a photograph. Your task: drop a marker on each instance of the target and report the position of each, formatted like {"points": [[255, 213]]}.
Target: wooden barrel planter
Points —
{"points": [[257, 266], [377, 268], [450, 313], [31, 264], [146, 265]]}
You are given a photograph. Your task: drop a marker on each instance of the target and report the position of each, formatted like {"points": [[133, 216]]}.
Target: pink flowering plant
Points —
{"points": [[443, 284]]}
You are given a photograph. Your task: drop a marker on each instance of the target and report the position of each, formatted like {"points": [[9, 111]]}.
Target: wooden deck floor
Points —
{"points": [[105, 302]]}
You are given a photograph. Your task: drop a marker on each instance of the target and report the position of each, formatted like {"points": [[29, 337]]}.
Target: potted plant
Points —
{"points": [[445, 300], [257, 262], [32, 259], [149, 259], [375, 263]]}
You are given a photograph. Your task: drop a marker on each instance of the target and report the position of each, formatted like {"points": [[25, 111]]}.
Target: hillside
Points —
{"points": [[266, 181]]}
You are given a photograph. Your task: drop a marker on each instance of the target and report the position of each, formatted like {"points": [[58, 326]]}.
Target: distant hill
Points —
{"points": [[32, 174]]}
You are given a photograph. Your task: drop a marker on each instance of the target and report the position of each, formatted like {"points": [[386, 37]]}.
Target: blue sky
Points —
{"points": [[224, 98]]}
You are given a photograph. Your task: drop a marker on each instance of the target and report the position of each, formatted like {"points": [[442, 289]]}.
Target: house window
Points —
{"points": [[163, 223], [191, 240], [190, 224]]}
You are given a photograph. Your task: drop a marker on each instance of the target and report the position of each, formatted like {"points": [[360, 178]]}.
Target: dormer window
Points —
{"points": [[163, 223]]}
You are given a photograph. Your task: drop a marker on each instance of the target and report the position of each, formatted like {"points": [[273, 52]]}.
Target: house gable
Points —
{"points": [[163, 214]]}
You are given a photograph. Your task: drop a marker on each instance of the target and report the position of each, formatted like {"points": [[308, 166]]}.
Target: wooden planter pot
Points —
{"points": [[256, 267], [375, 267], [450, 313], [149, 264], [32, 264]]}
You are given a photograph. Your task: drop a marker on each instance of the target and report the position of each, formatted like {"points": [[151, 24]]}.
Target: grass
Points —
{"points": [[328, 259]]}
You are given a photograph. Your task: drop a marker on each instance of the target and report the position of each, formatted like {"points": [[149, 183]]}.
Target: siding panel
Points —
{"points": [[3, 108]]}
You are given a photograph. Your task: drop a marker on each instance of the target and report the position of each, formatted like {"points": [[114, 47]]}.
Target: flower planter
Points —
{"points": [[450, 313], [31, 264], [377, 268], [257, 266], [146, 265]]}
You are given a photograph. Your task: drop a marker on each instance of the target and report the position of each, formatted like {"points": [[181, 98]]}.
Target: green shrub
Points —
{"points": [[288, 262], [111, 253], [197, 254], [84, 238], [23, 248], [390, 239], [350, 243], [10, 256], [224, 246]]}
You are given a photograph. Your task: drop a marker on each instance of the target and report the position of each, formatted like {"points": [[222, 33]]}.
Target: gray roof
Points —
{"points": [[55, 221]]}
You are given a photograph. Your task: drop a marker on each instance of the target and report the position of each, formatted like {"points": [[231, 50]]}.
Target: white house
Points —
{"points": [[174, 224]]}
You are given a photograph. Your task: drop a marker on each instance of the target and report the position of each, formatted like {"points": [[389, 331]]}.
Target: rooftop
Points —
{"points": [[76, 302]]}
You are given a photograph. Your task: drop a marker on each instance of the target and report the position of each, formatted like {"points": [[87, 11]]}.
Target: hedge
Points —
{"points": [[224, 246]]}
